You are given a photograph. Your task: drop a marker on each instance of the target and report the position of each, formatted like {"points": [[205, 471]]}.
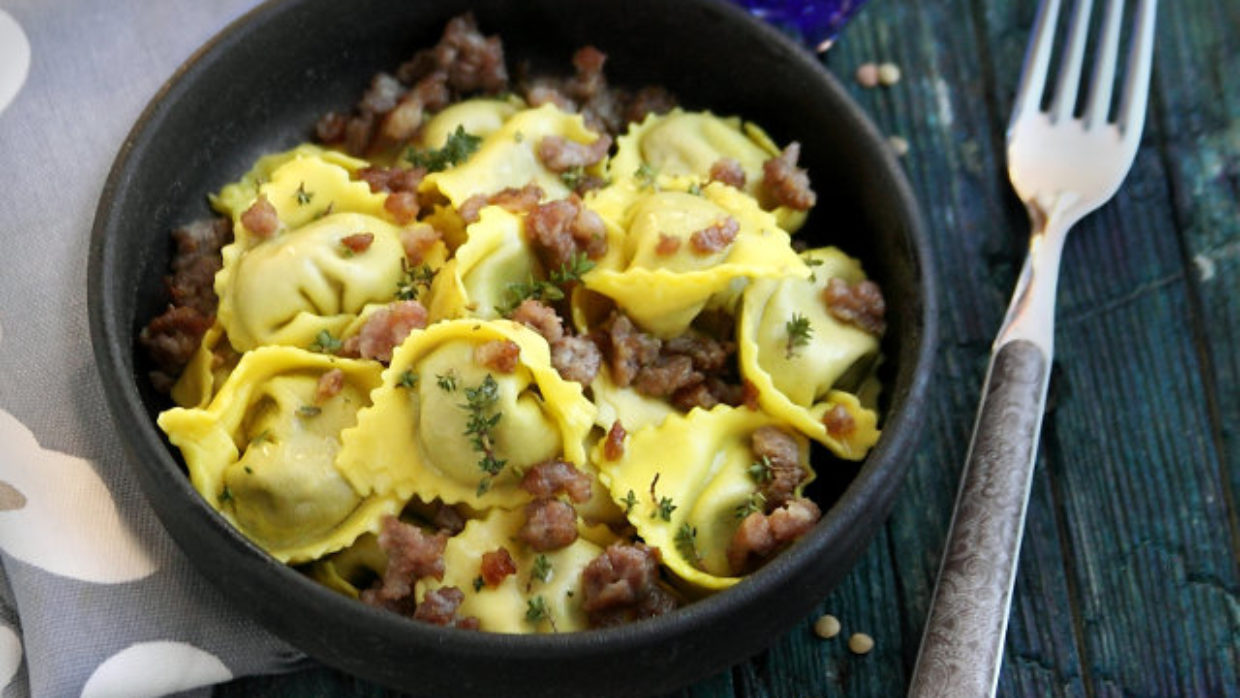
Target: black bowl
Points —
{"points": [[259, 86]]}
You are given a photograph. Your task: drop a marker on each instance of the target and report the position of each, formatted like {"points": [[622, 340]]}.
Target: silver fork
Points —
{"points": [[1062, 167]]}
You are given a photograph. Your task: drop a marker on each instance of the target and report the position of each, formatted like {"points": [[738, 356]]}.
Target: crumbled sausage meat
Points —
{"points": [[559, 230], [403, 205], [172, 337], [392, 179], [839, 422], [496, 566], [412, 554], [714, 237], [473, 62], [523, 200], [708, 354], [668, 245], [386, 328], [787, 184], [651, 99], [622, 584], [261, 218], [781, 454], [551, 477], [728, 171], [576, 358], [447, 518], [666, 375], [541, 317], [613, 445], [560, 154], [330, 127], [439, 607], [859, 304], [550, 524], [499, 355], [418, 240], [761, 535], [171, 340], [358, 242], [627, 348], [329, 386]]}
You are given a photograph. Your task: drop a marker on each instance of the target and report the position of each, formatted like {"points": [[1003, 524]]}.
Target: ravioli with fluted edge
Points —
{"points": [[802, 380], [687, 483], [523, 357], [263, 451], [422, 435]]}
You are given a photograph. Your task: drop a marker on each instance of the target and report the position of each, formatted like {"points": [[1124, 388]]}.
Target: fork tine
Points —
{"points": [[1037, 61], [1103, 82], [1070, 71], [1131, 117]]}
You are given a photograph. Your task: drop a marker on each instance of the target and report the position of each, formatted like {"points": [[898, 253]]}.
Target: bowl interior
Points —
{"points": [[260, 85]]}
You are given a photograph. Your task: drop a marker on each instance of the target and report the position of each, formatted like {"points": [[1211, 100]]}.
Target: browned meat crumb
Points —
{"points": [[403, 205], [496, 566], [651, 99], [329, 386], [261, 218], [668, 245], [549, 525], [781, 454], [382, 94], [589, 80], [386, 328], [392, 179], [627, 348], [195, 263], [622, 585], [171, 340], [498, 355], [412, 554], [402, 122], [172, 337], [541, 318], [447, 518], [358, 243], [613, 445], [576, 358], [839, 422], [357, 133], [551, 477], [787, 184], [750, 394], [560, 154], [473, 62], [708, 354], [860, 304], [560, 229], [515, 200], [418, 240], [666, 375], [330, 127], [761, 535], [728, 171], [695, 395], [541, 92], [714, 237], [439, 607]]}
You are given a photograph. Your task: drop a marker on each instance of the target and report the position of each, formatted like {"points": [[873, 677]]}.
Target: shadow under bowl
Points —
{"points": [[259, 86]]}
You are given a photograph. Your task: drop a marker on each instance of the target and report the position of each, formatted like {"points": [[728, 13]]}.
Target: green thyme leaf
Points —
{"points": [[629, 501], [446, 381], [457, 149], [686, 542], [408, 379], [755, 504], [325, 343], [761, 471], [479, 582], [303, 196], [799, 333], [309, 410]]}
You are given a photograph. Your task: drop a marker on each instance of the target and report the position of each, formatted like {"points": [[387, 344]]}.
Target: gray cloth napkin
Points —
{"points": [[95, 600]]}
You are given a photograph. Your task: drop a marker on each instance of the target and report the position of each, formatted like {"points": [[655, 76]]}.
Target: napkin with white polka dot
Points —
{"points": [[95, 600]]}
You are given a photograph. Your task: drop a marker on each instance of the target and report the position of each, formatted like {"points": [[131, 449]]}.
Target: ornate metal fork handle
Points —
{"points": [[1063, 168]]}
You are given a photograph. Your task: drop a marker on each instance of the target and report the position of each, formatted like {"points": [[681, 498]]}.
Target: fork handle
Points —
{"points": [[962, 648]]}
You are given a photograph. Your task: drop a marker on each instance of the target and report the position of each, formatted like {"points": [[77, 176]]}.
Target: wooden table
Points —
{"points": [[1129, 582]]}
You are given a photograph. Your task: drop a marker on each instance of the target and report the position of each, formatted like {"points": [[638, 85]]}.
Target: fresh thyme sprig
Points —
{"points": [[303, 196], [573, 176], [799, 333], [755, 503], [629, 501], [645, 175], [761, 471], [446, 381], [541, 570], [408, 379], [413, 280], [480, 427], [309, 410], [686, 542], [536, 611], [325, 343], [457, 149], [550, 290]]}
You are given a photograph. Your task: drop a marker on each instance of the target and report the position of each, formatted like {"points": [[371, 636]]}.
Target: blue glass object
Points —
{"points": [[814, 22]]}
